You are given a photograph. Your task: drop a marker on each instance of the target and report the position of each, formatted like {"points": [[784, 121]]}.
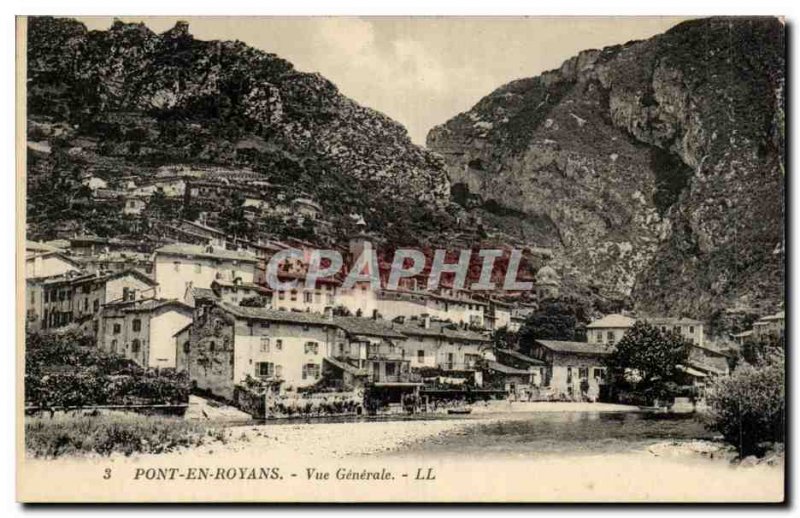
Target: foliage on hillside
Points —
{"points": [[127, 100], [63, 368]]}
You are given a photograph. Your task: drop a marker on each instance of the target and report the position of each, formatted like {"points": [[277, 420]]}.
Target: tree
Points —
{"points": [[748, 408], [504, 339], [646, 361], [758, 351], [554, 320]]}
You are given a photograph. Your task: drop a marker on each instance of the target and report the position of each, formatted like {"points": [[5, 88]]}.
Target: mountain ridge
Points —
{"points": [[653, 159]]}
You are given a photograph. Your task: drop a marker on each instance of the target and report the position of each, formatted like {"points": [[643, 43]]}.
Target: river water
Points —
{"points": [[551, 433]]}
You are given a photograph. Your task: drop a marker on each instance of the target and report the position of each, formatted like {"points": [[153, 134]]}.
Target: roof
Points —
{"points": [[36, 246], [519, 356], [184, 328], [614, 320], [275, 315], [367, 327], [574, 347], [693, 372], [441, 329], [355, 371], [184, 249], [146, 305], [743, 334], [203, 293], [505, 369], [672, 321], [247, 285], [781, 315]]}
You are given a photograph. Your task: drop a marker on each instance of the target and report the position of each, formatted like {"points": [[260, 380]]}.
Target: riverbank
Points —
{"points": [[518, 456]]}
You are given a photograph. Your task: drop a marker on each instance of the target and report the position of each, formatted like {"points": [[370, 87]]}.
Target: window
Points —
{"points": [[96, 305], [265, 369], [610, 337], [311, 371], [583, 373], [312, 348], [85, 304], [114, 345], [390, 369], [691, 329], [281, 295], [308, 297], [264, 344], [135, 346], [421, 356], [117, 329], [186, 347], [137, 325], [279, 345], [294, 295], [599, 373], [569, 375], [212, 346]]}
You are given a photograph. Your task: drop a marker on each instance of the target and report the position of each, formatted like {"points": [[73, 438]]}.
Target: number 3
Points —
{"points": [[107, 474]]}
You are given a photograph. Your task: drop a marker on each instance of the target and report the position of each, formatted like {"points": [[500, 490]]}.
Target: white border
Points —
{"points": [[317, 7]]}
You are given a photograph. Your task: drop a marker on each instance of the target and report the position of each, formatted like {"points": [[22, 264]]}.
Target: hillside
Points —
{"points": [[126, 101], [658, 163]]}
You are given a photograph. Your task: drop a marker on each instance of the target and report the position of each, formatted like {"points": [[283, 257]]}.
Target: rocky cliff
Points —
{"points": [[127, 100], [659, 163]]}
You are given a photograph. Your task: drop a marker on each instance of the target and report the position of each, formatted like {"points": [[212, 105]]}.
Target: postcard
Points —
{"points": [[401, 259]]}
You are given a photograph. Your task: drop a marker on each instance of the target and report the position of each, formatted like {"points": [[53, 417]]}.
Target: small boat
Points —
{"points": [[462, 410]]}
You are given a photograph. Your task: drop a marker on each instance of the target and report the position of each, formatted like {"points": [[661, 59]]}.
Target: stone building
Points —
{"points": [[575, 370], [143, 330]]}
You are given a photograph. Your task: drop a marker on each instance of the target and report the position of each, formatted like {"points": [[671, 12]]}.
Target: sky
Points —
{"points": [[418, 71]]}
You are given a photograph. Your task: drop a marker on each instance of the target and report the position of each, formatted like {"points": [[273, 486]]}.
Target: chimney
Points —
{"points": [[374, 314], [426, 321]]}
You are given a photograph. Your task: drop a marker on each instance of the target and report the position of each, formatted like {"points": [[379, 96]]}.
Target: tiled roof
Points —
{"points": [[505, 369], [671, 321], [439, 329], [614, 320], [367, 327], [203, 293], [145, 305], [519, 356], [184, 249], [296, 317], [574, 347]]}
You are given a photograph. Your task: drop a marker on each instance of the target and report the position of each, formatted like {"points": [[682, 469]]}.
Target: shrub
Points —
{"points": [[748, 408], [112, 433]]}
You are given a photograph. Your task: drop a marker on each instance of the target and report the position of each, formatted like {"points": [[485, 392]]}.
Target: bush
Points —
{"points": [[748, 408], [111, 433], [64, 369]]}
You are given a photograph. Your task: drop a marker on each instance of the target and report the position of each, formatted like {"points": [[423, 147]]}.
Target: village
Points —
{"points": [[196, 300]]}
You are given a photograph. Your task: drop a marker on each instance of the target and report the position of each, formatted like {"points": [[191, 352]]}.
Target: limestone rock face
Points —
{"points": [[660, 163]]}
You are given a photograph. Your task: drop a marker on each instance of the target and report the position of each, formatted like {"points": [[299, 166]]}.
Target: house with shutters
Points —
{"points": [[143, 330], [574, 370], [180, 266]]}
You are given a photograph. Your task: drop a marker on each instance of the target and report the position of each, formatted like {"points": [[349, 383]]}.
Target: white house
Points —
{"points": [[180, 266]]}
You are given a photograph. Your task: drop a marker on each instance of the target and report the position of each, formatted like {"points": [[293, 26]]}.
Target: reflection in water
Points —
{"points": [[568, 432]]}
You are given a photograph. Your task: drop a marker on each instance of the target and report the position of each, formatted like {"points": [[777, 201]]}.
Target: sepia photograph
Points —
{"points": [[401, 259]]}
